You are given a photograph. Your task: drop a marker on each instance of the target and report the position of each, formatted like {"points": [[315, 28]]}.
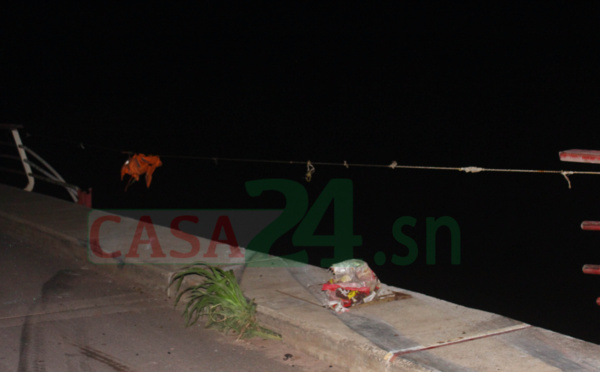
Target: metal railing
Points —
{"points": [[585, 156], [47, 172]]}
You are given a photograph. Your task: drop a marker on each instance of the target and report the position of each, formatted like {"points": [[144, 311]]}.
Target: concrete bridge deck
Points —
{"points": [[417, 333]]}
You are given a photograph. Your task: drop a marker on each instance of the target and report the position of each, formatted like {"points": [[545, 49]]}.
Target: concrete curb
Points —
{"points": [[324, 344]]}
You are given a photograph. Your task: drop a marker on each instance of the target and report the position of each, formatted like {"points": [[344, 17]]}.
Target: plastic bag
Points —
{"points": [[353, 283]]}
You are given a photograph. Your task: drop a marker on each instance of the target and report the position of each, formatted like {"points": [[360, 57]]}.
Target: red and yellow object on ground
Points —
{"points": [[140, 164], [353, 283]]}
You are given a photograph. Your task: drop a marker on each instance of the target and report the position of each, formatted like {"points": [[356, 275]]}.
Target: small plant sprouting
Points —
{"points": [[220, 299]]}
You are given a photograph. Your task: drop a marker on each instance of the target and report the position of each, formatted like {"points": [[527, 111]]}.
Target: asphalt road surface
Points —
{"points": [[62, 316]]}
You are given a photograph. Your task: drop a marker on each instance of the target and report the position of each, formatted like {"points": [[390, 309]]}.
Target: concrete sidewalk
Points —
{"points": [[419, 333]]}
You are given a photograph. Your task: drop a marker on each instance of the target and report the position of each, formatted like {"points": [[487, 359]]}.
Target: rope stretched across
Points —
{"points": [[394, 165]]}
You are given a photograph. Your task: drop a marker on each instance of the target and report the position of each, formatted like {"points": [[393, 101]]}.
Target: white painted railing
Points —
{"points": [[48, 173]]}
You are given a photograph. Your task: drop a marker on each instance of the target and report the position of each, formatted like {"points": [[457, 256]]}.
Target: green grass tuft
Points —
{"points": [[219, 298]]}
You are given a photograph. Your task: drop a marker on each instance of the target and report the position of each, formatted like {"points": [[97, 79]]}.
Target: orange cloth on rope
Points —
{"points": [[139, 164]]}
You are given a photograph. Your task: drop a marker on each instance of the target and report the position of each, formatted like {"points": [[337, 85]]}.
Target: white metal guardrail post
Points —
{"points": [[24, 161]]}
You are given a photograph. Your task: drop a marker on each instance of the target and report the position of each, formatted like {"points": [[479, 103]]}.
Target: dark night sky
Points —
{"points": [[426, 83], [430, 83]]}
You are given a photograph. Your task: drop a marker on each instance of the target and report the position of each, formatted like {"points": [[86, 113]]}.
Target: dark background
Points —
{"points": [[436, 84]]}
